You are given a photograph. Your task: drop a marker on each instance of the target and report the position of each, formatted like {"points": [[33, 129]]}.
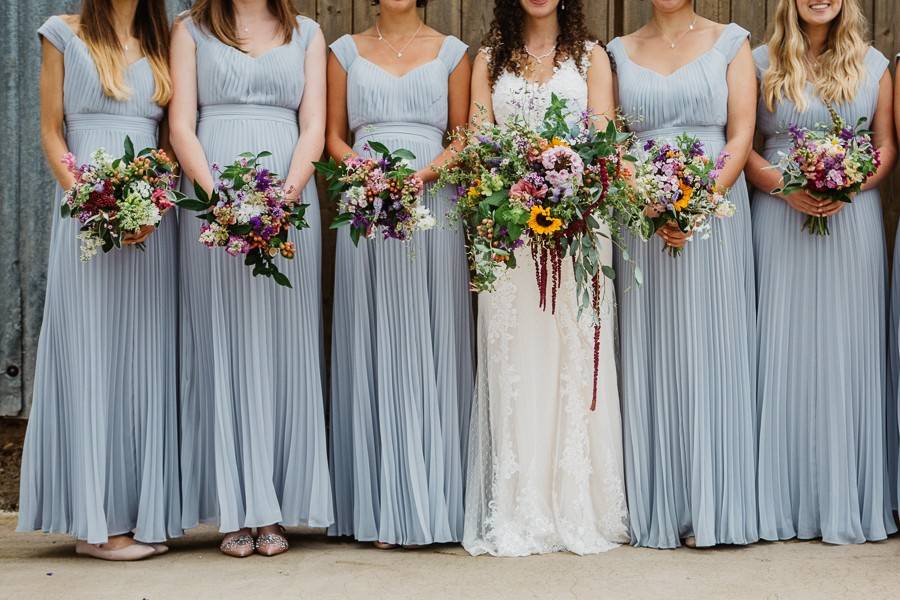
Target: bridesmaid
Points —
{"points": [[402, 358], [821, 320], [253, 430], [687, 335], [101, 458]]}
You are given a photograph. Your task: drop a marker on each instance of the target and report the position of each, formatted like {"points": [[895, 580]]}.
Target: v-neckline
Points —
{"points": [[85, 46], [261, 56], [682, 67], [407, 73]]}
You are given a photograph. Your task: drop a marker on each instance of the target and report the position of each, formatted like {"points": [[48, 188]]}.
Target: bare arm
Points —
{"points": [[883, 132], [459, 86], [481, 104], [897, 104], [183, 109], [311, 118], [601, 93], [742, 90], [53, 139], [337, 129]]}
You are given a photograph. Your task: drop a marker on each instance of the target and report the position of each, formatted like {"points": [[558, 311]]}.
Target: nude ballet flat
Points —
{"points": [[159, 549], [136, 551]]}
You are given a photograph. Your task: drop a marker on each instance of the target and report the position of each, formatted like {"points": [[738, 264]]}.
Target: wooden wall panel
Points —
{"points": [[24, 218]]}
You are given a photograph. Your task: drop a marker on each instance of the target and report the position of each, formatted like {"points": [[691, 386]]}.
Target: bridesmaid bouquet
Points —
{"points": [[375, 194], [115, 197], [248, 214], [829, 164], [548, 188], [678, 184]]}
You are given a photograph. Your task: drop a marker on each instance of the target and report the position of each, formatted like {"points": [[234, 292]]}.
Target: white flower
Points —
{"points": [[90, 245], [424, 219], [247, 211], [101, 157], [725, 209]]}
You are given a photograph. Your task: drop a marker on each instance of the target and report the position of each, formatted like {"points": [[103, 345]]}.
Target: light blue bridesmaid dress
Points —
{"points": [[101, 452], [253, 426], [688, 334], [821, 370], [402, 353]]}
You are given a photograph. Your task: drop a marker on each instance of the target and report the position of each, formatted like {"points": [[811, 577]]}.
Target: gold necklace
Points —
{"points": [[673, 43], [399, 52]]}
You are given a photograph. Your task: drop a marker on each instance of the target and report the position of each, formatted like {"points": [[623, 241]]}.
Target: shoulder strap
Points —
{"points": [[57, 32], [876, 64], [344, 49], [452, 51], [306, 30], [731, 40]]}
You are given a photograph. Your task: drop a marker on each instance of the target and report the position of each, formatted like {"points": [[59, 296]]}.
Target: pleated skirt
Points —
{"points": [[101, 450], [687, 343], [402, 374], [252, 408], [821, 374]]}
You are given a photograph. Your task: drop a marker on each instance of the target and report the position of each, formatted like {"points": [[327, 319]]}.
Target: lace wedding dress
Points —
{"points": [[545, 473]]}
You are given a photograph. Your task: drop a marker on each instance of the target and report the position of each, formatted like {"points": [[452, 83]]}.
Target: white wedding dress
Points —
{"points": [[545, 473]]}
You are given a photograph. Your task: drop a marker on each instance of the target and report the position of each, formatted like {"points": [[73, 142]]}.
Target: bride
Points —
{"points": [[545, 473]]}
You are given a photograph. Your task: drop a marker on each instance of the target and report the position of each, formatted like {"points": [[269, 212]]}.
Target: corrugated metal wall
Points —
{"points": [[25, 186]]}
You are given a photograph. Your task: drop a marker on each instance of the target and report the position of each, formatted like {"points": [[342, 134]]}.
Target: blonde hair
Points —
{"points": [[150, 27], [840, 66]]}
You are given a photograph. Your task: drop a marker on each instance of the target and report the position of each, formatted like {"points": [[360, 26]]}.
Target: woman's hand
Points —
{"points": [[673, 236], [139, 236], [806, 204]]}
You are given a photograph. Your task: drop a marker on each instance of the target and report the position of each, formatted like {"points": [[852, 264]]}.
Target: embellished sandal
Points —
{"points": [[239, 546], [272, 544]]}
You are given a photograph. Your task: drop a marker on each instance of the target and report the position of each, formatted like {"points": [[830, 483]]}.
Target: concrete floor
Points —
{"points": [[45, 567]]}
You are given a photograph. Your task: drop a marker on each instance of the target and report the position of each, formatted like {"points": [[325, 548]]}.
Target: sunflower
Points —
{"points": [[686, 193], [542, 222]]}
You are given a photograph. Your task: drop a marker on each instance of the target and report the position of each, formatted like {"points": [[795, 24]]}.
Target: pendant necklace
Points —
{"points": [[673, 43], [399, 52], [540, 59]]}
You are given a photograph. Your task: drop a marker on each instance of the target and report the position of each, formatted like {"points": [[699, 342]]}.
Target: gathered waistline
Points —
{"points": [[111, 121], [429, 132], [260, 112], [708, 133]]}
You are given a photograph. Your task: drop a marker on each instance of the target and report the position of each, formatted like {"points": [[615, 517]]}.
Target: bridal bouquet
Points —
{"points": [[248, 214], [546, 187], [832, 163], [677, 183], [115, 197], [381, 193]]}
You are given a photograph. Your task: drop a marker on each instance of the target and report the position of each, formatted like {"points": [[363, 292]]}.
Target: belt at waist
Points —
{"points": [[259, 112], [109, 121], [712, 133], [371, 132]]}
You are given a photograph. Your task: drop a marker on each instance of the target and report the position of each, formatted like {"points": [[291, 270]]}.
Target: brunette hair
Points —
{"points": [[150, 27], [506, 44], [419, 3], [217, 17]]}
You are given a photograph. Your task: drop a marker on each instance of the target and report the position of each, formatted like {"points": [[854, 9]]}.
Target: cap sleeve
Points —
{"points": [[192, 28], [306, 30], [452, 51], [614, 49], [344, 49], [876, 63], [57, 32], [761, 60], [731, 40]]}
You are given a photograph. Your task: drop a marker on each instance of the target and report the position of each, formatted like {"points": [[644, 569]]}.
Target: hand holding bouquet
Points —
{"points": [[678, 187], [115, 199], [248, 214], [548, 189], [829, 164], [375, 194]]}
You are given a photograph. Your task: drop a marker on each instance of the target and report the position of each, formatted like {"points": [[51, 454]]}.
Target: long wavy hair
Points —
{"points": [[217, 17], [507, 45], [150, 27], [840, 66]]}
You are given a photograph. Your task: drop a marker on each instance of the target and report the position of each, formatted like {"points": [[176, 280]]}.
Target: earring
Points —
{"points": [[564, 5]]}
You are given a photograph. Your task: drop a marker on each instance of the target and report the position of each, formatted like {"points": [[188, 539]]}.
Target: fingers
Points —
{"points": [[673, 236], [832, 208]]}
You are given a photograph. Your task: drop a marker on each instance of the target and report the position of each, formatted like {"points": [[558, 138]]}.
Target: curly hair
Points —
{"points": [[505, 42]]}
